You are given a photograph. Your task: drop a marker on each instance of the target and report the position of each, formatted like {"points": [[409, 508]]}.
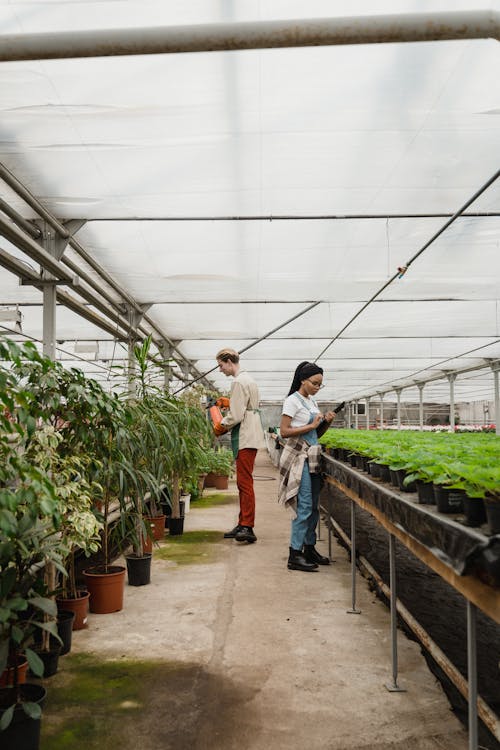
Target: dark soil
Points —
{"points": [[436, 606]]}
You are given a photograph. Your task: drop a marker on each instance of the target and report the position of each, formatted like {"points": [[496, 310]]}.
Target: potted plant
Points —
{"points": [[79, 526], [188, 436], [29, 513], [220, 463]]}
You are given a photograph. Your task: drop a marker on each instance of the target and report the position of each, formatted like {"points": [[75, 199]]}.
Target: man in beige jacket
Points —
{"points": [[243, 420]]}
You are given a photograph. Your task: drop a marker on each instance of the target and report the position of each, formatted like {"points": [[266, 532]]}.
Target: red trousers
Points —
{"points": [[244, 467]]}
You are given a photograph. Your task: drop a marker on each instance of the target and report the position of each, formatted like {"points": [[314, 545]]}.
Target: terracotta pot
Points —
{"points": [[79, 606], [209, 480], [221, 481], [157, 524], [7, 676], [105, 589]]}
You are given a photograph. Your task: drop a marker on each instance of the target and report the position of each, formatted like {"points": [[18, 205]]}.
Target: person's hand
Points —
{"points": [[219, 429], [329, 416], [316, 421]]}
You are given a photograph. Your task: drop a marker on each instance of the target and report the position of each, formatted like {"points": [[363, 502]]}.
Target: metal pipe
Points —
{"points": [[487, 716], [353, 610], [451, 379], [30, 199], [393, 687], [407, 27], [421, 406], [26, 225], [472, 673], [497, 400], [293, 217]]}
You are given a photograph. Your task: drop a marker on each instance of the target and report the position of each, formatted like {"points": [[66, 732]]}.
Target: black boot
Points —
{"points": [[312, 555], [231, 534], [245, 534], [297, 561]]}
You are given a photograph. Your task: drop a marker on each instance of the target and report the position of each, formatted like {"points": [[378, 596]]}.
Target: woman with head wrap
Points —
{"points": [[301, 425]]}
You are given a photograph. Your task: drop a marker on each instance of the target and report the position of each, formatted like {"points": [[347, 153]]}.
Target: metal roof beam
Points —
{"points": [[302, 32]]}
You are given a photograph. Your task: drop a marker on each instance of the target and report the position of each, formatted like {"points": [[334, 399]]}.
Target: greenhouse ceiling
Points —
{"points": [[338, 203]]}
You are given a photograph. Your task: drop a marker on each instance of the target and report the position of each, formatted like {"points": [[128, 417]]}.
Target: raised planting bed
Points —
{"points": [[458, 472], [442, 540]]}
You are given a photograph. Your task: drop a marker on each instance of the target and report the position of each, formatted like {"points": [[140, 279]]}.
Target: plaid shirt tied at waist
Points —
{"points": [[295, 452]]}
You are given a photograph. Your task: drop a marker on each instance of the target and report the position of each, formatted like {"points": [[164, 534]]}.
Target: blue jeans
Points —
{"points": [[304, 526]]}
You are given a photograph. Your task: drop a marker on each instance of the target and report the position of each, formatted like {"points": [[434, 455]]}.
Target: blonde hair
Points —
{"points": [[228, 355]]}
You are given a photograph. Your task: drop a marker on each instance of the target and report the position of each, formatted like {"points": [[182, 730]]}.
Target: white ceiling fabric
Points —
{"points": [[131, 143]]}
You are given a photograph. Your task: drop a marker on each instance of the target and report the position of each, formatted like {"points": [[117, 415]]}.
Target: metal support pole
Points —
{"points": [[398, 396], [497, 399], [356, 415], [421, 406], [472, 673], [353, 610], [393, 687], [329, 511], [381, 396], [451, 379], [367, 413], [49, 320]]}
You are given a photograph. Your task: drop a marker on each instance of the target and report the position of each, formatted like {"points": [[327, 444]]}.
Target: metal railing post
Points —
{"points": [[472, 673], [353, 610], [394, 687]]}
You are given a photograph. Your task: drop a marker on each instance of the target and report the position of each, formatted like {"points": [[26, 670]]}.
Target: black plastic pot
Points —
{"points": [[176, 526], [139, 569], [50, 658], [492, 506], [448, 500], [474, 510], [374, 469], [385, 473], [394, 479], [23, 733], [425, 492], [411, 487], [360, 462], [65, 620]]}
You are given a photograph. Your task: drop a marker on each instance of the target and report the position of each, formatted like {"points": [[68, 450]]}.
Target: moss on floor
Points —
{"points": [[217, 498], [96, 704], [191, 547]]}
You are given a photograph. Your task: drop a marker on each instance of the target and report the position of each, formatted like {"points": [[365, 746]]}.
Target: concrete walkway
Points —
{"points": [[276, 660]]}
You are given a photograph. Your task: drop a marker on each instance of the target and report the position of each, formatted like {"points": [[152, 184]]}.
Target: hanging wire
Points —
{"points": [[254, 343], [403, 269]]}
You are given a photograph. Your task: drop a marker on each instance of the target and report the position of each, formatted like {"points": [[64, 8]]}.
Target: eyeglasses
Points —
{"points": [[316, 385]]}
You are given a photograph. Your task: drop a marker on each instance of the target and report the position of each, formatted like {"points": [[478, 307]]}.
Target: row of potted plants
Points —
{"points": [[460, 472], [80, 471]]}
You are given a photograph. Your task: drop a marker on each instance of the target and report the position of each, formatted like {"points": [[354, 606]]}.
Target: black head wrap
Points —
{"points": [[304, 371]]}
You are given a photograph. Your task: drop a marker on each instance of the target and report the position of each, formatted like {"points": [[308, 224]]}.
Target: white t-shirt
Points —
{"points": [[299, 408]]}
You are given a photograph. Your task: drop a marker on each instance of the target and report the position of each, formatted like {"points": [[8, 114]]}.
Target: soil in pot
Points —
{"points": [[23, 733], [139, 569], [80, 606], [105, 588]]}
